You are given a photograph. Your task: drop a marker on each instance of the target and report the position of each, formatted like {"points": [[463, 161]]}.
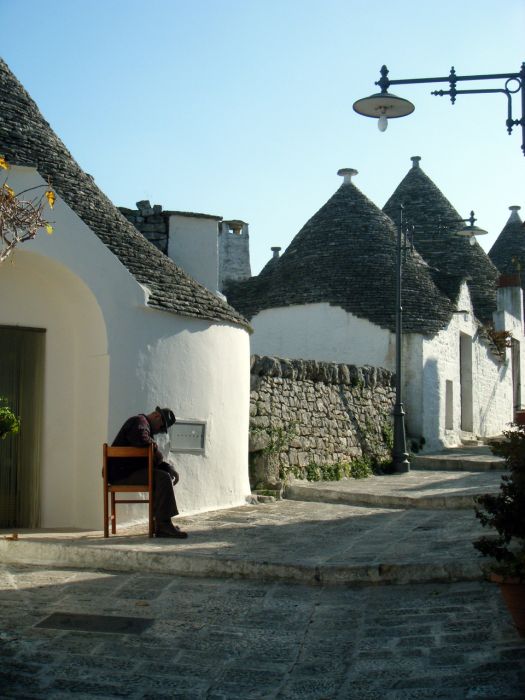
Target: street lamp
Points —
{"points": [[399, 450], [383, 105], [465, 228], [470, 231]]}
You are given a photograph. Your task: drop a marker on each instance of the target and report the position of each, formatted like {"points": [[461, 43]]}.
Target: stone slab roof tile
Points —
{"points": [[345, 256], [508, 252], [26, 138], [453, 258]]}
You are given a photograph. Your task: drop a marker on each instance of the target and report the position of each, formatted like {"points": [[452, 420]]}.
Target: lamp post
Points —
{"points": [[384, 105], [399, 451]]}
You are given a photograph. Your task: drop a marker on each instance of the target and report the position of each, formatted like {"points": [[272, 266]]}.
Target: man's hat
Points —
{"points": [[168, 417]]}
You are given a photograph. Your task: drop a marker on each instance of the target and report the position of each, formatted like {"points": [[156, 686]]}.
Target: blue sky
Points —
{"points": [[244, 109]]}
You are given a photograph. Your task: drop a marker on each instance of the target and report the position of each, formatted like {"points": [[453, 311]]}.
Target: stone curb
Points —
{"points": [[297, 492], [130, 559]]}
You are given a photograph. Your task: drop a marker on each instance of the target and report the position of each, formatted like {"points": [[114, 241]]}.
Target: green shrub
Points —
{"points": [[9, 423], [388, 435], [361, 468], [505, 512]]}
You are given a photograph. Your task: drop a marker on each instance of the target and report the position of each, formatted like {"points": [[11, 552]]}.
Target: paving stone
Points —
{"points": [[309, 689], [435, 693], [446, 659], [89, 688], [12, 680]]}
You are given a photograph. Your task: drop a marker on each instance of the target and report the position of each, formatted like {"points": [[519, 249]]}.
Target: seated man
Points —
{"points": [[137, 431]]}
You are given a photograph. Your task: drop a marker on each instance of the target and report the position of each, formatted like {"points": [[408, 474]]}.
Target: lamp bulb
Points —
{"points": [[382, 123], [472, 240]]}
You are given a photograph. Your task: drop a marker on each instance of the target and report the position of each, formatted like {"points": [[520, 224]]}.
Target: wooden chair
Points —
{"points": [[112, 489]]}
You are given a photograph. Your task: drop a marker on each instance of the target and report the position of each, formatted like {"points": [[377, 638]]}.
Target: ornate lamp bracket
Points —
{"points": [[514, 83]]}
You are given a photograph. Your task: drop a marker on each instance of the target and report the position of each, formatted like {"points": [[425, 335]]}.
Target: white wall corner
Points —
{"points": [[146, 291], [193, 245], [505, 321], [510, 300]]}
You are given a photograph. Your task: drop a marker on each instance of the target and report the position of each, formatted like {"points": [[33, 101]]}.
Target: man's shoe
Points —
{"points": [[167, 529]]}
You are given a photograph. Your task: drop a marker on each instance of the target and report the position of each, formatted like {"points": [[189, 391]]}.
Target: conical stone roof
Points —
{"points": [[26, 138], [452, 257], [508, 252], [345, 256]]}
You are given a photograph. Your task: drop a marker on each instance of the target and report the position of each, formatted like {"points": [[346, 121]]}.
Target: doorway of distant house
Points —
{"points": [[21, 384], [465, 379], [516, 374], [449, 405]]}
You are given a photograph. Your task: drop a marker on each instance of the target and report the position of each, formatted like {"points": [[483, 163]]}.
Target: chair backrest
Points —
{"points": [[127, 452]]}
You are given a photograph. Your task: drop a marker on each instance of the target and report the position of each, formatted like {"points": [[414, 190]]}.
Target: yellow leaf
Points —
{"points": [[3, 163], [9, 190], [50, 196], [49, 229]]}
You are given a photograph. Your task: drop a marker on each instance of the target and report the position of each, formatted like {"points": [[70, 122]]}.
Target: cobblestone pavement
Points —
{"points": [[225, 639]]}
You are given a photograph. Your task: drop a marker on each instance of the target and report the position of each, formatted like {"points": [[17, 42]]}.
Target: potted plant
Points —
{"points": [[505, 513], [9, 423]]}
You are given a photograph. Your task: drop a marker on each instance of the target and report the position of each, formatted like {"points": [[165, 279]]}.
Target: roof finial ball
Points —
{"points": [[415, 161], [347, 173]]}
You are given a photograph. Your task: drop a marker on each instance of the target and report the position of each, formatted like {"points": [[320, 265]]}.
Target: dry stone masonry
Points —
{"points": [[304, 411], [151, 221]]}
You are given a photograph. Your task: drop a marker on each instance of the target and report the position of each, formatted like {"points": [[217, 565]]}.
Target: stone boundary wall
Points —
{"points": [[309, 411]]}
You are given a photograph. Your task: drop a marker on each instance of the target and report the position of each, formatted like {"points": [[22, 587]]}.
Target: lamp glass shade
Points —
{"points": [[469, 231], [383, 103]]}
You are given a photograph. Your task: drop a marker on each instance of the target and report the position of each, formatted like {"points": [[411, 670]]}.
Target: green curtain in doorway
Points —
{"points": [[21, 383]]}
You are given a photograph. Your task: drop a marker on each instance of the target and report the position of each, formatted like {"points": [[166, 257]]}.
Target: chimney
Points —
{"points": [[415, 161], [275, 250]]}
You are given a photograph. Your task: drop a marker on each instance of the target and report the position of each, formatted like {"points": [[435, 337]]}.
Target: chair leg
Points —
{"points": [[106, 523], [113, 515], [150, 516]]}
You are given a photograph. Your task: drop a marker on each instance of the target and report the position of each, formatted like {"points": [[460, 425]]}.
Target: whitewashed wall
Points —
{"points": [[108, 356], [491, 382], [193, 244], [321, 332]]}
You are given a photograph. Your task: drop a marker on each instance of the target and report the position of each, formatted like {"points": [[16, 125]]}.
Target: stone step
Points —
{"points": [[422, 489], [468, 459], [303, 492], [148, 557]]}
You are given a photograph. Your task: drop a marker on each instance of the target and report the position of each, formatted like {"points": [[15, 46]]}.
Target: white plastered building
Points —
{"points": [[97, 325]]}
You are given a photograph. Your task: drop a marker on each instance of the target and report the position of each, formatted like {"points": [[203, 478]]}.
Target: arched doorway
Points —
{"points": [[21, 385], [58, 346]]}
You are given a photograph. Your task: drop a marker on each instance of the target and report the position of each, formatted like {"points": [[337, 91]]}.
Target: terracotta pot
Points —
{"points": [[513, 592], [509, 280], [519, 417]]}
